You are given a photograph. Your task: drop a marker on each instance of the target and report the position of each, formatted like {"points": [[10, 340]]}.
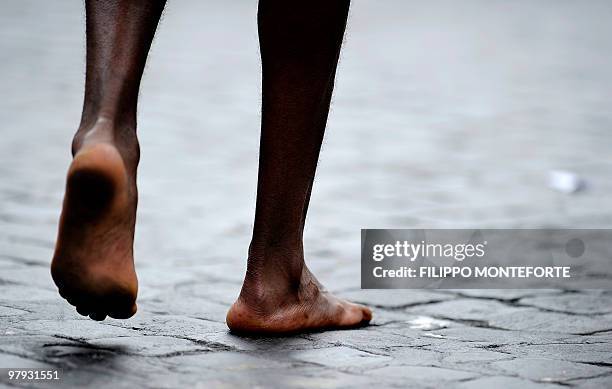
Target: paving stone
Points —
{"points": [[466, 309], [6, 263], [422, 373], [75, 329], [415, 356], [191, 306], [488, 337], [219, 270], [36, 276], [220, 292], [227, 361], [593, 383], [475, 356], [96, 367], [382, 316], [33, 346], [506, 383], [549, 370], [340, 357], [262, 344], [535, 320], [364, 339], [43, 309], [22, 293], [14, 361], [596, 353], [149, 345], [395, 300], [315, 379], [572, 303], [504, 294], [147, 323], [303, 377], [6, 311], [158, 276]]}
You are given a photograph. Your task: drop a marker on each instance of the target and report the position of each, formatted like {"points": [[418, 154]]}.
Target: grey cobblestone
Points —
{"points": [[505, 382], [570, 303], [445, 116], [550, 370]]}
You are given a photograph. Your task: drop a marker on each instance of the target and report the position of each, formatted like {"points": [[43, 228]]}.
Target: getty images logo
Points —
{"points": [[412, 251]]}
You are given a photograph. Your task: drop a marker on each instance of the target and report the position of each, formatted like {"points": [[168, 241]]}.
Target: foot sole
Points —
{"points": [[93, 265]]}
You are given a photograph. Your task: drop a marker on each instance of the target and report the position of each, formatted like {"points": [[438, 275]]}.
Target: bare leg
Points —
{"points": [[93, 265], [300, 43]]}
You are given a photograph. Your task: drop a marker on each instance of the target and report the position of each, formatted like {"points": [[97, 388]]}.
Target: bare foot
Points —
{"points": [[261, 309], [93, 266]]}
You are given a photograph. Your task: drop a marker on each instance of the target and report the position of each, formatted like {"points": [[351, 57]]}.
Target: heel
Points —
{"points": [[95, 179]]}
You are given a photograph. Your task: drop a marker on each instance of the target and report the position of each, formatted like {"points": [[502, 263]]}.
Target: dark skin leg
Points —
{"points": [[93, 264], [300, 44]]}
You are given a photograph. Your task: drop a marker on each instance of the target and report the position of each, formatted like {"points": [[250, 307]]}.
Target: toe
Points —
{"points": [[351, 315], [366, 314], [97, 316], [356, 315], [124, 313], [83, 311]]}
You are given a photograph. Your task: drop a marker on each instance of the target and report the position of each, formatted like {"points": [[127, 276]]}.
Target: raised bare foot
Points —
{"points": [[266, 306], [93, 266]]}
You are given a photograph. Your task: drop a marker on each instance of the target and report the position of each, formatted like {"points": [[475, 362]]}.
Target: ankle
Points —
{"points": [[272, 257], [273, 271], [122, 136]]}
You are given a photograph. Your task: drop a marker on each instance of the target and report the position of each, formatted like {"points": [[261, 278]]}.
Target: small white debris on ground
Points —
{"points": [[426, 323], [565, 181]]}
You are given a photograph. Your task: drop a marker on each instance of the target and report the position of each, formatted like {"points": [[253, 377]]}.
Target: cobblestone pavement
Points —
{"points": [[447, 114]]}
